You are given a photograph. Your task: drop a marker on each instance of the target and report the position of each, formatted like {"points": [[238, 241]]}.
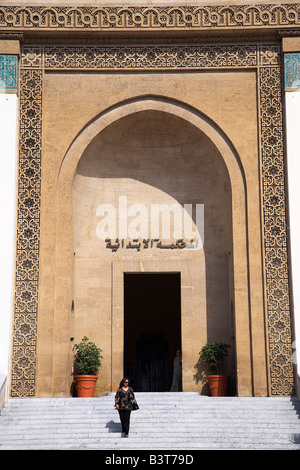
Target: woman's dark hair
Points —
{"points": [[123, 380]]}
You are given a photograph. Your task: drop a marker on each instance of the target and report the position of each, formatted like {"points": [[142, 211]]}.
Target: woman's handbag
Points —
{"points": [[135, 406]]}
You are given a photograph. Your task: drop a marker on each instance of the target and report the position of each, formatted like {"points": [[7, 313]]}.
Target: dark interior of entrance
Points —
{"points": [[152, 329]]}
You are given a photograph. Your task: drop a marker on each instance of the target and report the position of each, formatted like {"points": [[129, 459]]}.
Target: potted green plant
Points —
{"points": [[87, 362], [214, 354]]}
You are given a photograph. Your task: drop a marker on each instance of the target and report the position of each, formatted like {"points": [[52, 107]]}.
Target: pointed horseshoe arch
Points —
{"points": [[64, 249]]}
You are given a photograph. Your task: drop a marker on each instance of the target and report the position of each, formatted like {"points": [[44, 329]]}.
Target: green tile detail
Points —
{"points": [[8, 72], [292, 70]]}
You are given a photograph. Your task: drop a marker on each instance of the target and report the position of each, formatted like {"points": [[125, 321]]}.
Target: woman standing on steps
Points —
{"points": [[124, 404]]}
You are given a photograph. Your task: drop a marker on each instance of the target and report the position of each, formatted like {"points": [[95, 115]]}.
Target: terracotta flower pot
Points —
{"points": [[85, 385], [218, 385]]}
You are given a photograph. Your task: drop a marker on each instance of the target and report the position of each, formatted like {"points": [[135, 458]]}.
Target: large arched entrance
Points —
{"points": [[149, 159], [152, 151]]}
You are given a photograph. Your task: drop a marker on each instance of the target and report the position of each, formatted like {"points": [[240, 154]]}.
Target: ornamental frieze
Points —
{"points": [[154, 17]]}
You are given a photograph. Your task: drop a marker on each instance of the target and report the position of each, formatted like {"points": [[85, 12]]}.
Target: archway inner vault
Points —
{"points": [[152, 158]]}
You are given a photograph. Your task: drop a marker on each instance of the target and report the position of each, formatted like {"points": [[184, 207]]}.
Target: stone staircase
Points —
{"points": [[165, 421]]}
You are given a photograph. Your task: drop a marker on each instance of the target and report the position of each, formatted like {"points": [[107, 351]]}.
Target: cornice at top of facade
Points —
{"points": [[91, 17], [146, 3]]}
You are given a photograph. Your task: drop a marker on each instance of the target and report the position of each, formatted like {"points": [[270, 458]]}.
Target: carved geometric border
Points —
{"points": [[279, 327], [151, 17], [266, 59], [28, 235]]}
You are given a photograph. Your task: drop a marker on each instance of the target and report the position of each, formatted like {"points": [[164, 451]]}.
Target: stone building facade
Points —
{"points": [[150, 192]]}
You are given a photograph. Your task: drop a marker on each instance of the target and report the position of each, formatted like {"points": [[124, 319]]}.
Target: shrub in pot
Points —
{"points": [[87, 362], [214, 354]]}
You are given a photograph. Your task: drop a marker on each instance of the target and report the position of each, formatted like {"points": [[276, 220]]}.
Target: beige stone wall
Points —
{"points": [[228, 104], [72, 107]]}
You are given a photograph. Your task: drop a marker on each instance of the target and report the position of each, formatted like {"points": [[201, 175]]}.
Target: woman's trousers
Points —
{"points": [[125, 420]]}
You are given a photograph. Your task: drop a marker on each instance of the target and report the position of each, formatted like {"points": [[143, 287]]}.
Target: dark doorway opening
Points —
{"points": [[152, 329]]}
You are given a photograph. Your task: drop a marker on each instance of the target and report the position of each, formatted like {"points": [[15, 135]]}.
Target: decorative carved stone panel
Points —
{"points": [[152, 17]]}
